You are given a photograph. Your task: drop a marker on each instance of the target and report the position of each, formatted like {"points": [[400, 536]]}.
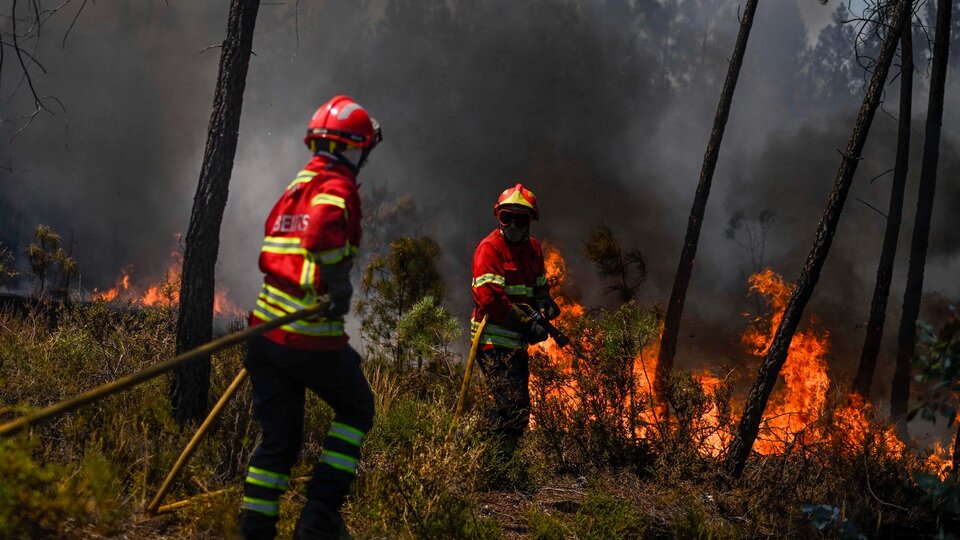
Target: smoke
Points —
{"points": [[602, 108]]}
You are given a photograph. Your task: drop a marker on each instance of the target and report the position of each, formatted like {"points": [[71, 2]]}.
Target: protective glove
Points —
{"points": [[516, 319], [546, 305], [535, 334], [336, 278]]}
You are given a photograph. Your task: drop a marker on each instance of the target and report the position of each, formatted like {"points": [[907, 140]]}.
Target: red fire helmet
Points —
{"points": [[343, 119], [518, 196]]}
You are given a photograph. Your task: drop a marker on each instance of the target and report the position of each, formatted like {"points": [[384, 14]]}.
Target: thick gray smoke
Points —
{"points": [[602, 108]]}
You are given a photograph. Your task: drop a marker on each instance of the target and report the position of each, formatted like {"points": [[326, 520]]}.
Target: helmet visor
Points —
{"points": [[507, 217]]}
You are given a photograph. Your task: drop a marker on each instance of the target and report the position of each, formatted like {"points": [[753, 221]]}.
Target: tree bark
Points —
{"points": [[878, 307], [191, 383], [671, 323], [906, 340], [956, 451], [777, 353]]}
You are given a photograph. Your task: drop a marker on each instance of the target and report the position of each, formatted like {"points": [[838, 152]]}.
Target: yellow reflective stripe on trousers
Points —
{"points": [[339, 461], [482, 280], [302, 177], [263, 506], [267, 479], [346, 433]]}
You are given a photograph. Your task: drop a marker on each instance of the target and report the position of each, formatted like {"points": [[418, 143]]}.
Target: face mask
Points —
{"points": [[515, 232]]}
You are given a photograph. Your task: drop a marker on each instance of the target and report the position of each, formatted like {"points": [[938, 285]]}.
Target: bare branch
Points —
{"points": [[872, 207], [72, 23]]}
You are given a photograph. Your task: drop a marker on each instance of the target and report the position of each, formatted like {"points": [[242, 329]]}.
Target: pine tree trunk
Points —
{"points": [[191, 383], [956, 451], [777, 353], [906, 340], [878, 307], [671, 323]]}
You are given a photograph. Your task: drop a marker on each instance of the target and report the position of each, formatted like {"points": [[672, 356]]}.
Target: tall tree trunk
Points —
{"points": [[777, 353], [671, 323], [956, 451], [195, 320], [881, 291], [906, 340]]}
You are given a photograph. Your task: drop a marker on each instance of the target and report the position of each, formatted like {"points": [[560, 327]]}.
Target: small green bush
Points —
{"points": [[543, 526], [602, 517]]}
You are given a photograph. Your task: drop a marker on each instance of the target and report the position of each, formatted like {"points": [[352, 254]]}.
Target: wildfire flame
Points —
{"points": [[794, 409], [163, 293], [790, 413]]}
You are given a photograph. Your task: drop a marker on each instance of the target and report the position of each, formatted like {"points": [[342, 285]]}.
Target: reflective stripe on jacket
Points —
{"points": [[504, 273], [315, 222]]}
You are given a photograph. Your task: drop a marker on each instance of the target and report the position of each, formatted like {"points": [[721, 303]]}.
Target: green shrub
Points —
{"points": [[602, 517], [543, 526]]}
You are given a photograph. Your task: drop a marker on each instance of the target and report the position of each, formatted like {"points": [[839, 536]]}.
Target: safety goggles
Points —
{"points": [[506, 218]]}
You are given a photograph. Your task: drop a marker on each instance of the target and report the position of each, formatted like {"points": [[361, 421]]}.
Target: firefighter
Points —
{"points": [[508, 280], [311, 237]]}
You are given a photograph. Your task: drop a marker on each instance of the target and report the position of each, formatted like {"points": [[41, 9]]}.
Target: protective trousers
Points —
{"points": [[508, 375], [280, 375]]}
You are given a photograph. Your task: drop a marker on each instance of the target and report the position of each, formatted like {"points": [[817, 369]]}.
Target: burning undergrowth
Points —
{"points": [[594, 402], [132, 289]]}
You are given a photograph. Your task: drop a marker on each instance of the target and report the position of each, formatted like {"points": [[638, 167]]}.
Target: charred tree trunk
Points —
{"points": [[906, 340], [881, 291], [671, 323], [777, 353], [191, 383]]}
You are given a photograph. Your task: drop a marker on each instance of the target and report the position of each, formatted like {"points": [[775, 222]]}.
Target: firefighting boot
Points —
{"points": [[257, 526], [320, 521]]}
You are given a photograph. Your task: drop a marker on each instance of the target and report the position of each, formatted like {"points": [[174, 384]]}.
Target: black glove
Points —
{"points": [[336, 278], [546, 305], [516, 320], [535, 334]]}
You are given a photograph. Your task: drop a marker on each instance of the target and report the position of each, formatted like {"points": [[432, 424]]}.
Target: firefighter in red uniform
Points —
{"points": [[310, 239], [508, 280]]}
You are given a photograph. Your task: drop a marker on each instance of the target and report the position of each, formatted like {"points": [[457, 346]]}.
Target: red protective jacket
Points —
{"points": [[504, 273], [316, 221]]}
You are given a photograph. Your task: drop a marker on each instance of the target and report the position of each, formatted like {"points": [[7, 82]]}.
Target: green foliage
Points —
{"points": [[602, 516], [45, 500], [696, 524], [393, 285], [418, 480], [46, 255], [939, 364], [428, 329], [543, 526], [628, 269]]}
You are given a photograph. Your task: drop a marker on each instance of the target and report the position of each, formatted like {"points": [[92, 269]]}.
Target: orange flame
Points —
{"points": [[164, 293], [794, 408], [791, 413]]}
